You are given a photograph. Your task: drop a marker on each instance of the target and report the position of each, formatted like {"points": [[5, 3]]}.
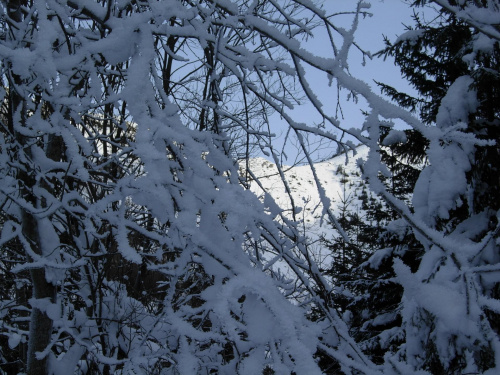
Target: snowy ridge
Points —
{"points": [[340, 179]]}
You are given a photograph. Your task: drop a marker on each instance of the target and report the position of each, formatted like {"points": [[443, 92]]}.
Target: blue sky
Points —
{"points": [[388, 19]]}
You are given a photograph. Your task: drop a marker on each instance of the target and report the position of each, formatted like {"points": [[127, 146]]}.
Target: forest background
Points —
{"points": [[131, 243]]}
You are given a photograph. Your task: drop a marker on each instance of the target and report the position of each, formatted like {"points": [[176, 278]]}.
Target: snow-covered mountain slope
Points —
{"points": [[339, 177]]}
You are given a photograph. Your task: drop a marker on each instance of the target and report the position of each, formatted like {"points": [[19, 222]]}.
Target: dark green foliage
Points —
{"points": [[366, 293], [430, 62], [444, 51], [405, 161], [432, 59]]}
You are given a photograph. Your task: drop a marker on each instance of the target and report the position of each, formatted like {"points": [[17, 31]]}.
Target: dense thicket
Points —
{"points": [[454, 68], [130, 245]]}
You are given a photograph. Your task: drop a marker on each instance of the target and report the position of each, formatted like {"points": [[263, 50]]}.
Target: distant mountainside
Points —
{"points": [[339, 176]]}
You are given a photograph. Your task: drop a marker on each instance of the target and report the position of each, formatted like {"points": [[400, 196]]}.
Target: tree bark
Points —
{"points": [[40, 324]]}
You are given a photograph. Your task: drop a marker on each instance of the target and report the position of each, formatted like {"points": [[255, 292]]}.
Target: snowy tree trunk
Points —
{"points": [[40, 329], [40, 324]]}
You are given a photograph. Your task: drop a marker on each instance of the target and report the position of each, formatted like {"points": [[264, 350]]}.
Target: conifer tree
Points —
{"points": [[436, 58], [365, 290], [442, 59]]}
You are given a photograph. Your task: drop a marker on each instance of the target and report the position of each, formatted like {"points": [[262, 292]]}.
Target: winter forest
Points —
{"points": [[138, 235]]}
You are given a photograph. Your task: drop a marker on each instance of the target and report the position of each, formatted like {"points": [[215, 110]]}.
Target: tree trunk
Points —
{"points": [[40, 329], [40, 324]]}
